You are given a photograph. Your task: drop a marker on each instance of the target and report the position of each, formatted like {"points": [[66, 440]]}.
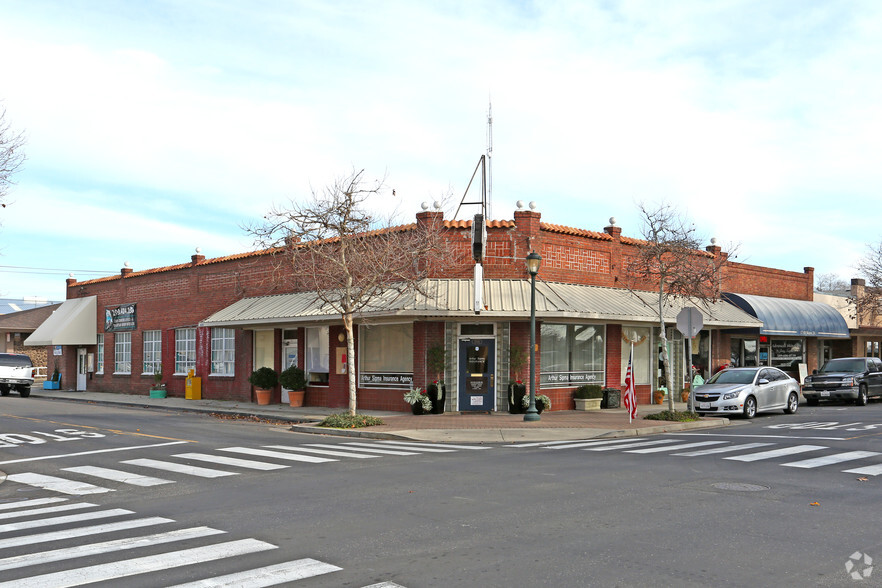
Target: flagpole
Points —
{"points": [[631, 384]]}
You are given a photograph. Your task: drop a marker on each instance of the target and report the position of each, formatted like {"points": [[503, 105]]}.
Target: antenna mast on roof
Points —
{"points": [[485, 166]]}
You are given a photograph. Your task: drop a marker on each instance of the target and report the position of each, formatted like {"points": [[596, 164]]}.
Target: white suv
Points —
{"points": [[16, 374]]}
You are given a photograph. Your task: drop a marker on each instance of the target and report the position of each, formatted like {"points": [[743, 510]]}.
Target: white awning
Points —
{"points": [[73, 323]]}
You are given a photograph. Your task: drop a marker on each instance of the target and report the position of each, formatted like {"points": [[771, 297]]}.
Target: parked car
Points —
{"points": [[16, 374], [844, 378], [747, 391]]}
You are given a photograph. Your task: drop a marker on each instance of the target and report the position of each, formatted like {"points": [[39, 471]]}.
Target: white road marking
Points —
{"points": [[444, 445], [595, 442], [118, 476], [92, 452], [179, 468], [46, 510], [321, 451], [82, 532], [278, 454], [232, 461], [673, 447], [380, 451], [873, 470], [31, 502], [726, 449], [418, 447], [267, 576], [371, 448], [798, 437], [776, 453], [141, 565], [91, 549], [640, 444], [545, 443], [86, 516], [830, 459], [57, 484], [385, 585]]}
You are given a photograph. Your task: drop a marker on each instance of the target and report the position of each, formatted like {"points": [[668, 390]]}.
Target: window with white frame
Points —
{"points": [[152, 352], [99, 368], [318, 350], [185, 350], [385, 355], [223, 351], [642, 360], [122, 353], [571, 355]]}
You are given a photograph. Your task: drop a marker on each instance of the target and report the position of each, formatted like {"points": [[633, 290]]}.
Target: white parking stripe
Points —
{"points": [[233, 461], [872, 470], [141, 565], [20, 561], [354, 449], [641, 444], [726, 449], [82, 532], [45, 510], [57, 484], [673, 447], [278, 454], [118, 476], [86, 516], [321, 451], [776, 453], [179, 468], [444, 445], [31, 502], [830, 459], [267, 576]]}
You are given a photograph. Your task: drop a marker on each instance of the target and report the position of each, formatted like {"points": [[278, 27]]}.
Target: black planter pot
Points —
{"points": [[437, 401], [417, 408], [516, 393]]}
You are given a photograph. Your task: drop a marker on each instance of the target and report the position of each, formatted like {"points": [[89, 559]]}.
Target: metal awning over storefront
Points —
{"points": [[503, 300], [72, 323], [797, 318]]}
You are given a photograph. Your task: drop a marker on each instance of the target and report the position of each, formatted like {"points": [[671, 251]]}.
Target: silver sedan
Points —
{"points": [[747, 391]]}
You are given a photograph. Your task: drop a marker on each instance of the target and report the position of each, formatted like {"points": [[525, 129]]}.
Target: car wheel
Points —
{"points": [[862, 396], [812, 401], [4, 390], [792, 403], [750, 407], [24, 392]]}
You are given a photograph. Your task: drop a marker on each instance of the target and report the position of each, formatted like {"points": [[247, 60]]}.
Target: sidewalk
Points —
{"points": [[449, 427]]}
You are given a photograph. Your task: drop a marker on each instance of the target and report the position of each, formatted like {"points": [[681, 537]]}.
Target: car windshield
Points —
{"points": [[733, 377], [17, 361], [853, 365]]}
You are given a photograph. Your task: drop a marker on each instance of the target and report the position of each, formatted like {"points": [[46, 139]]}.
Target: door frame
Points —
{"points": [[82, 368], [463, 403]]}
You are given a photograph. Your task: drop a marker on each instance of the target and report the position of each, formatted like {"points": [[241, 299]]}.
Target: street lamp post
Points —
{"points": [[533, 262]]}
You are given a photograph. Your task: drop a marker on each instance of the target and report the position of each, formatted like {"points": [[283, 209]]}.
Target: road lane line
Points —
{"points": [[581, 444], [444, 445], [118, 476], [179, 468], [322, 451], [86, 516], [266, 576], [82, 532], [233, 461], [783, 452], [92, 452], [640, 444], [673, 447], [57, 484], [46, 510], [278, 454], [726, 449], [830, 459]]}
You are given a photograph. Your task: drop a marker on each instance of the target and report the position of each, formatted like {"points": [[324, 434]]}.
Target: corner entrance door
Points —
{"points": [[477, 374], [289, 358], [82, 367]]}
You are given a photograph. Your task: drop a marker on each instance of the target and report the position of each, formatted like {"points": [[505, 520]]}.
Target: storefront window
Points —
{"points": [[571, 355], [223, 351], [152, 352], [787, 354], [385, 355], [699, 355], [318, 360], [99, 368], [185, 350], [743, 352], [122, 352], [642, 360]]}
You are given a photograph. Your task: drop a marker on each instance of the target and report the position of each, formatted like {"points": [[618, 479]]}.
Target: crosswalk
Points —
{"points": [[82, 480], [725, 449], [55, 547]]}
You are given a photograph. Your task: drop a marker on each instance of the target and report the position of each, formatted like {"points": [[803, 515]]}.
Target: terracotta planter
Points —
{"points": [[295, 397], [263, 396], [658, 397]]}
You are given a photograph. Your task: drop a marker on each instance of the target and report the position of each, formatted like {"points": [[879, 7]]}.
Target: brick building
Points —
{"points": [[224, 317]]}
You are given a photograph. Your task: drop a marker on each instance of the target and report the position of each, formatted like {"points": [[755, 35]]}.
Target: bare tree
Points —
{"points": [[830, 283], [11, 155], [670, 262], [348, 256], [867, 299]]}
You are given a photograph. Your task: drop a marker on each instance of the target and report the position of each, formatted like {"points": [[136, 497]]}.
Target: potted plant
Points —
{"points": [[543, 402], [55, 382], [293, 379], [419, 401], [157, 390], [684, 393], [264, 380], [659, 395], [517, 359], [436, 361], [588, 397]]}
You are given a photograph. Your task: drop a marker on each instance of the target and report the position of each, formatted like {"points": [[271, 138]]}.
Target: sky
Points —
{"points": [[156, 127]]}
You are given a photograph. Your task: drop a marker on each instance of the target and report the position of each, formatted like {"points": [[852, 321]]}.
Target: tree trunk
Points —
{"points": [[350, 363], [669, 378]]}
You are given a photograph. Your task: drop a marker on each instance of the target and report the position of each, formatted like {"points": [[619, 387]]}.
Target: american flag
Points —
{"points": [[630, 399]]}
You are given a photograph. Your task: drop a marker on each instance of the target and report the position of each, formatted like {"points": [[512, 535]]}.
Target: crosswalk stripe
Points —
{"points": [[384, 585], [445, 445], [45, 510], [278, 455], [776, 453], [321, 451], [57, 484], [86, 516], [29, 559], [673, 447], [141, 565], [31, 502], [267, 576], [118, 476], [543, 443], [872, 470], [82, 532], [233, 461], [179, 468], [641, 444], [830, 459], [726, 449], [354, 449], [370, 448], [593, 443], [419, 447]]}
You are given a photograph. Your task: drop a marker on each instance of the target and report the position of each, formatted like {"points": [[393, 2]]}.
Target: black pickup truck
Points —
{"points": [[844, 378], [16, 374]]}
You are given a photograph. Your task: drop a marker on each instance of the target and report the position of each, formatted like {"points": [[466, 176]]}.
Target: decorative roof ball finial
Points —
{"points": [[713, 240], [612, 221], [532, 205], [520, 204], [424, 206], [437, 205], [127, 264], [70, 275], [198, 250]]}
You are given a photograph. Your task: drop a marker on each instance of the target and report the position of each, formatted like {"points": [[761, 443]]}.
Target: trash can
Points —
{"points": [[612, 398]]}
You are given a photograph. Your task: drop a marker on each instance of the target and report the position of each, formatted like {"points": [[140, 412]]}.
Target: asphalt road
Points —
{"points": [[771, 502]]}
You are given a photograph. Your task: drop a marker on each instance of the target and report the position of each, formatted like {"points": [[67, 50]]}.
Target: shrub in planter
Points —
{"points": [[588, 397], [543, 402], [294, 380], [264, 380], [419, 401]]}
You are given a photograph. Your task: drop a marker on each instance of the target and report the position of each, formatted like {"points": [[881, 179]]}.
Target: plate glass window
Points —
{"points": [[185, 350], [318, 352], [122, 352], [223, 351], [100, 353], [152, 352]]}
